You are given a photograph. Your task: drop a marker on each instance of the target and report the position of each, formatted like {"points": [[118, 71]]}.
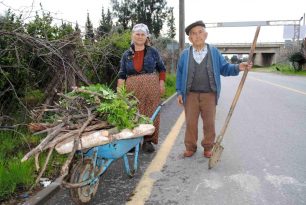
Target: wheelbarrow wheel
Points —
{"points": [[81, 172]]}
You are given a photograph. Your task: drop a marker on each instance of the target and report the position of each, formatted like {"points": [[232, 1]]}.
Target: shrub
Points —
{"points": [[33, 96], [297, 60], [170, 85]]}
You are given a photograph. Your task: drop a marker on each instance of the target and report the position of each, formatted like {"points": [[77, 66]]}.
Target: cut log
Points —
{"points": [[101, 137], [88, 130]]}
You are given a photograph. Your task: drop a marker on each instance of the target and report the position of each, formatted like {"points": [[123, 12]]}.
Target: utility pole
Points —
{"points": [[299, 29], [181, 25]]}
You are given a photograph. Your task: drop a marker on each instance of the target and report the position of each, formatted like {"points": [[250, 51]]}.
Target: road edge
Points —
{"points": [[45, 194]]}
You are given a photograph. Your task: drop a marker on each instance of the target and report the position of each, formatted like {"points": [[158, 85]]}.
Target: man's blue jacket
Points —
{"points": [[219, 64]]}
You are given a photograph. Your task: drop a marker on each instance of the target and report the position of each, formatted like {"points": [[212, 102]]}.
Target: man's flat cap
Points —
{"points": [[197, 23]]}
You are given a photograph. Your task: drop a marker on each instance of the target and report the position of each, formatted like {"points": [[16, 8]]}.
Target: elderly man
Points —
{"points": [[198, 86]]}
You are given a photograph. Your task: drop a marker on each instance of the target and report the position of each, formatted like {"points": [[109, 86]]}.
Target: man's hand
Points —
{"points": [[180, 100], [162, 87], [245, 66]]}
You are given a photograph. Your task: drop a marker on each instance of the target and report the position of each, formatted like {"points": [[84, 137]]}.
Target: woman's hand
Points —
{"points": [[120, 83]]}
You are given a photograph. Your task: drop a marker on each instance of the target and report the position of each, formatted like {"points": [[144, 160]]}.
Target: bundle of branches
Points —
{"points": [[83, 110]]}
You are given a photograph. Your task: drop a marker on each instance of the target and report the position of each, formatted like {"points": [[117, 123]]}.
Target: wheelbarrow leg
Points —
{"points": [[136, 156], [130, 172]]}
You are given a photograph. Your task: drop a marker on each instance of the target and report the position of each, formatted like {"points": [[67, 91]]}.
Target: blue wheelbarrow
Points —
{"points": [[85, 174]]}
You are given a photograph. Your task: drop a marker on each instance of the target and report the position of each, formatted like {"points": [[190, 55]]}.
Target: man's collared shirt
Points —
{"points": [[199, 55]]}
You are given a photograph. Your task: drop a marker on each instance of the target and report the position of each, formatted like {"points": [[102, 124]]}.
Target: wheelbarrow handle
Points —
{"points": [[156, 112]]}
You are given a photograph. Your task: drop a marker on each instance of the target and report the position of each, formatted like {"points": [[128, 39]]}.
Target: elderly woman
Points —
{"points": [[144, 73]]}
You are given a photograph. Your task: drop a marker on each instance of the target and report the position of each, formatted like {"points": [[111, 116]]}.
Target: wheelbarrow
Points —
{"points": [[85, 174]]}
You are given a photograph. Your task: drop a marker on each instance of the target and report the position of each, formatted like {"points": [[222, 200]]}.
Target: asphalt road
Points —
{"points": [[264, 161]]}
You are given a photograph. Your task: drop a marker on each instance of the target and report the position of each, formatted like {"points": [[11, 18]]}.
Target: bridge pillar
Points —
{"points": [[257, 59]]}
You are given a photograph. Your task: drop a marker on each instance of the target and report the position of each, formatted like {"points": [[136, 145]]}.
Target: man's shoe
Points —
{"points": [[207, 154], [148, 147], [188, 153]]}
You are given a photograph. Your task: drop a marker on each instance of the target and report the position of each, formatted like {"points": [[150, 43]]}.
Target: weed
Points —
{"points": [[18, 177], [282, 69], [170, 85]]}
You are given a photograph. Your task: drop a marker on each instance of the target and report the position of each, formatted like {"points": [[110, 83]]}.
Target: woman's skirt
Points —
{"points": [[146, 89]]}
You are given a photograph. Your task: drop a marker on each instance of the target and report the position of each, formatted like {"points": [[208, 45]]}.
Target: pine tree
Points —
{"points": [[171, 24], [158, 10], [106, 23], [89, 32], [77, 28], [109, 20]]}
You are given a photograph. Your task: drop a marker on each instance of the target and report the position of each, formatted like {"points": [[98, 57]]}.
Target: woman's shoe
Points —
{"points": [[148, 147]]}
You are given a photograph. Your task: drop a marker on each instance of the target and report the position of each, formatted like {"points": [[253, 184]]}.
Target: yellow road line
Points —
{"points": [[281, 86], [144, 187]]}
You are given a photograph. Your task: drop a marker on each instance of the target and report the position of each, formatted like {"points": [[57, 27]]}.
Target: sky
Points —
{"points": [[209, 11]]}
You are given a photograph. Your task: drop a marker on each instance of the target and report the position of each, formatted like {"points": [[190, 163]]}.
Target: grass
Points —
{"points": [[17, 177], [170, 85], [280, 69]]}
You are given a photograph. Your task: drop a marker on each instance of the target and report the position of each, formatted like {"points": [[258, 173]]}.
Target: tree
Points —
{"points": [[123, 12], [42, 27], [158, 10], [106, 23], [297, 59], [11, 22], [234, 59], [108, 20], [12, 79], [77, 28], [65, 29], [152, 13], [89, 32], [171, 24]]}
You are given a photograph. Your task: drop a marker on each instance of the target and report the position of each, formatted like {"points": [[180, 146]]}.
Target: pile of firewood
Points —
{"points": [[79, 113]]}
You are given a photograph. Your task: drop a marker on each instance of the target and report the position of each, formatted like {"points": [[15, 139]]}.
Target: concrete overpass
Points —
{"points": [[265, 54]]}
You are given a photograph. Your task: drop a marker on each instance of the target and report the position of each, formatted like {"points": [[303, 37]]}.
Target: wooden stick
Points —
{"points": [[65, 167], [37, 161], [44, 167], [39, 148]]}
